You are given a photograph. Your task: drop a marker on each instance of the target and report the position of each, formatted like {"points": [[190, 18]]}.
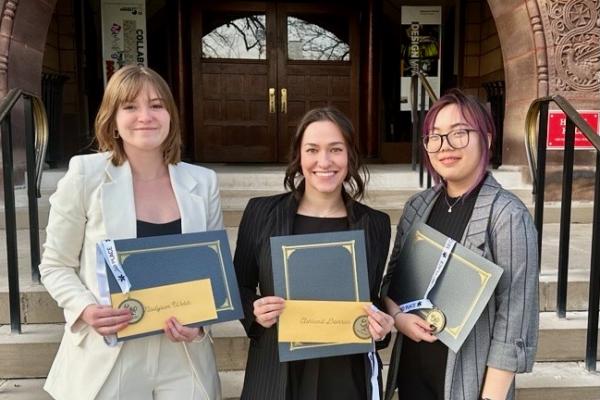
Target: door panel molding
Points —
{"points": [[232, 114]]}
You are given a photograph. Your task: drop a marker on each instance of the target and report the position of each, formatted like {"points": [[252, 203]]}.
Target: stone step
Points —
{"points": [[390, 201], [234, 202], [30, 353], [548, 381], [558, 381], [577, 290], [388, 189], [37, 307], [391, 198], [563, 339], [32, 388], [265, 176]]}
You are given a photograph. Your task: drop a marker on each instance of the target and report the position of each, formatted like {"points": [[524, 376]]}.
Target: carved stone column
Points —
{"points": [[572, 36]]}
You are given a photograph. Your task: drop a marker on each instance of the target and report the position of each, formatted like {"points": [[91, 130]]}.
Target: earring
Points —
{"points": [[116, 134]]}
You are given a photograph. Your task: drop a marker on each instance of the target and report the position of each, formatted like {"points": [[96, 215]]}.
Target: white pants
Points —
{"points": [[152, 368]]}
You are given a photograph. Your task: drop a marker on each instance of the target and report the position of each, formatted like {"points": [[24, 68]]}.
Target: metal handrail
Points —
{"points": [[531, 121], [427, 86], [36, 143], [418, 116], [538, 115], [41, 140], [40, 121]]}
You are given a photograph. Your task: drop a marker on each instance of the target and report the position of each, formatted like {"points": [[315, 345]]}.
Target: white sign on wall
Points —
{"points": [[123, 35], [421, 33]]}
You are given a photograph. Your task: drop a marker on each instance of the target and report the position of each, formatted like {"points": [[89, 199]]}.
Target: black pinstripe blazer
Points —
{"points": [[264, 217], [505, 335]]}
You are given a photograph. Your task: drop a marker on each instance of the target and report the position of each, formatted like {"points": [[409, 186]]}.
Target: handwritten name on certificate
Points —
{"points": [[189, 302], [311, 321]]}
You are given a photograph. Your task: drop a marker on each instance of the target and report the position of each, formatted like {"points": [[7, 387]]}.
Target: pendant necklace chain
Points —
{"points": [[329, 213], [453, 204]]}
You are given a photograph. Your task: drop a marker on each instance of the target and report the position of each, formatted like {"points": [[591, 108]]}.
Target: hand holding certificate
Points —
{"points": [[188, 276], [445, 283]]}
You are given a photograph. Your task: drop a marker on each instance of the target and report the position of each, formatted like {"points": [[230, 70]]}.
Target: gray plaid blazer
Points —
{"points": [[505, 336]]}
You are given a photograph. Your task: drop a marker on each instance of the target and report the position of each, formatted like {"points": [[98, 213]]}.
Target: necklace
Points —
{"points": [[338, 209], [453, 204], [328, 213]]}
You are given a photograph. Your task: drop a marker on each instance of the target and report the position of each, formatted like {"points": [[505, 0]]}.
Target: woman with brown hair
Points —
{"points": [[325, 177], [136, 186]]}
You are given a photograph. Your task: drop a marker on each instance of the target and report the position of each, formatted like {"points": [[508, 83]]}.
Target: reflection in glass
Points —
{"points": [[240, 38], [308, 41]]}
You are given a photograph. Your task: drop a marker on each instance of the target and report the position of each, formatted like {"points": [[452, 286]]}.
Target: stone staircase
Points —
{"points": [[558, 374]]}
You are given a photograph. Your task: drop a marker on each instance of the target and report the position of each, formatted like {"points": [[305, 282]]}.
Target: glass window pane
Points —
{"points": [[243, 37], [311, 41]]}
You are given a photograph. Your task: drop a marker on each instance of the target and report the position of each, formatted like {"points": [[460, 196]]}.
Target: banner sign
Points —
{"points": [[557, 126], [123, 35], [421, 40]]}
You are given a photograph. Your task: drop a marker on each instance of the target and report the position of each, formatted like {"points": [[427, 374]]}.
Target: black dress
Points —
{"points": [[146, 229], [422, 369], [328, 378]]}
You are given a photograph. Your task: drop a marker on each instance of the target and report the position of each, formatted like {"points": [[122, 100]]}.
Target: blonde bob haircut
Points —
{"points": [[123, 87]]}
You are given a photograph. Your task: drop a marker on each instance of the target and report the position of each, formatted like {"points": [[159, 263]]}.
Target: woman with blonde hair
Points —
{"points": [[136, 186]]}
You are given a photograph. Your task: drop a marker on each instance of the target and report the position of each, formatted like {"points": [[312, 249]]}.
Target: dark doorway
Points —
{"points": [[397, 123], [257, 67]]}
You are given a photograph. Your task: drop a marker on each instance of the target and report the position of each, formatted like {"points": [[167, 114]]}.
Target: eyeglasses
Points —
{"points": [[457, 139]]}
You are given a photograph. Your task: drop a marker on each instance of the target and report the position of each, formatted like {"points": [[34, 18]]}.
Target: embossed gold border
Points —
{"points": [[213, 245], [484, 277], [287, 251]]}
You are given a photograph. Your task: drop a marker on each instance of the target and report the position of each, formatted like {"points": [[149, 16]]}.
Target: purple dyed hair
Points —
{"points": [[477, 117]]}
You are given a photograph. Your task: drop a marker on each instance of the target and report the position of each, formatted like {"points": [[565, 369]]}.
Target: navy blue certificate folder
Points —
{"points": [[322, 266], [152, 262]]}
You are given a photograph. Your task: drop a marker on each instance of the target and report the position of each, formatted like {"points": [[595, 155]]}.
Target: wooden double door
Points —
{"points": [[257, 67]]}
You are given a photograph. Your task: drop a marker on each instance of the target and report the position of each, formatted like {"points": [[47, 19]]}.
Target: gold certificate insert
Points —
{"points": [[189, 302], [324, 322]]}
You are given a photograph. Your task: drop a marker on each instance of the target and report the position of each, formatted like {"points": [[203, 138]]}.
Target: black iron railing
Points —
{"points": [[36, 139], [418, 111], [537, 122]]}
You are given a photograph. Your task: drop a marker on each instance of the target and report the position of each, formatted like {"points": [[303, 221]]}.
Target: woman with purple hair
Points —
{"points": [[468, 205]]}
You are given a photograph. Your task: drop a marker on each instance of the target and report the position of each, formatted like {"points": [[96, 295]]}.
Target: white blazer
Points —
{"points": [[94, 201]]}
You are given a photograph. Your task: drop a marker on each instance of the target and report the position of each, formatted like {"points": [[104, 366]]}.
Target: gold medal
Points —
{"points": [[136, 307], [436, 319], [361, 327]]}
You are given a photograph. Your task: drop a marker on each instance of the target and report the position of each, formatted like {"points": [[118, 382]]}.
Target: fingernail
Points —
{"points": [[374, 307]]}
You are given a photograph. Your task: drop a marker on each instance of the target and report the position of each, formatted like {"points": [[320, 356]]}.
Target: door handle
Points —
{"points": [[271, 100], [284, 101]]}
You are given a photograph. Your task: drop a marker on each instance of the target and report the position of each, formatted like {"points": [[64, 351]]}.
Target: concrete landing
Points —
{"points": [[548, 381]]}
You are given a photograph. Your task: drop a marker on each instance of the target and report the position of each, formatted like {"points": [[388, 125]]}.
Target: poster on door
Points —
{"points": [[420, 47], [123, 35]]}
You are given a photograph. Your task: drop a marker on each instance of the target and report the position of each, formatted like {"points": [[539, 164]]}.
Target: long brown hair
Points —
{"points": [[358, 175], [123, 87]]}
